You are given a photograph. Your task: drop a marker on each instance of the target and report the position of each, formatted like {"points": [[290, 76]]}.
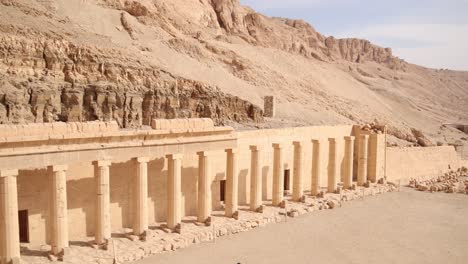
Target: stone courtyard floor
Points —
{"points": [[398, 227]]}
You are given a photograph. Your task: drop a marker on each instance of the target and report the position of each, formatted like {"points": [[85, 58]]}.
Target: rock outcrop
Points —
{"points": [[51, 81], [297, 36]]}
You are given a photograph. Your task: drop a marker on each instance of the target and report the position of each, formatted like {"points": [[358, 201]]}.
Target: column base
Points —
{"points": [[56, 256], [95, 245]]}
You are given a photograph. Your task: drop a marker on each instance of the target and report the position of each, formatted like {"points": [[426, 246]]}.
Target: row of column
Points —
{"points": [[316, 169], [9, 229], [9, 241]]}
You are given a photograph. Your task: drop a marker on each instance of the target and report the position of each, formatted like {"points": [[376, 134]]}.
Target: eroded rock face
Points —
{"points": [[59, 81], [36, 101], [229, 14], [297, 36]]}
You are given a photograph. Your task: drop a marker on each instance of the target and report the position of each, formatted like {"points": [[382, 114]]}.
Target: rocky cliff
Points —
{"points": [[80, 60], [52, 80]]}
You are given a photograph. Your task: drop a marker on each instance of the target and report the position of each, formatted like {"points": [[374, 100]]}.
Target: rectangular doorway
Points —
{"points": [[23, 226], [222, 190], [286, 180]]}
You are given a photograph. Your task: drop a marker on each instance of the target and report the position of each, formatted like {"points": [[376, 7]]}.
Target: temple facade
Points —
{"points": [[64, 182]]}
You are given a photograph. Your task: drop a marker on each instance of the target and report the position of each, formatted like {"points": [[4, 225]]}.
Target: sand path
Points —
{"points": [[404, 227]]}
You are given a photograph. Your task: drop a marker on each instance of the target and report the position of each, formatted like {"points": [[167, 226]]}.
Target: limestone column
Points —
{"points": [[232, 182], [278, 179], [332, 163], [9, 230], [140, 216], [58, 208], [348, 162], [204, 186], [101, 179], [315, 181], [174, 215], [255, 179], [297, 177], [375, 160], [362, 161]]}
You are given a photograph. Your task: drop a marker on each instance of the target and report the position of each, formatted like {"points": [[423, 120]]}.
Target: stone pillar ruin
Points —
{"points": [[297, 177], [332, 165], [9, 229], [278, 180], [232, 182], [102, 209], [174, 181], [140, 217], [58, 208], [204, 187], [255, 179], [348, 162], [375, 157], [315, 181], [362, 161], [269, 107]]}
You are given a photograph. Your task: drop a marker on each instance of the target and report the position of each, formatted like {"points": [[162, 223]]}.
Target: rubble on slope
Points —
{"points": [[451, 182]]}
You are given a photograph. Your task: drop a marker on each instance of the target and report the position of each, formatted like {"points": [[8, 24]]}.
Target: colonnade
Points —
{"points": [[58, 190]]}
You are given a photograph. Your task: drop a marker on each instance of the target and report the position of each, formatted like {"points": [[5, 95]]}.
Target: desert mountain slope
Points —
{"points": [[132, 61]]}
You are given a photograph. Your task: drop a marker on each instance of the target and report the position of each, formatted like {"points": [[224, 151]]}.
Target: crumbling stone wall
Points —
{"points": [[415, 162]]}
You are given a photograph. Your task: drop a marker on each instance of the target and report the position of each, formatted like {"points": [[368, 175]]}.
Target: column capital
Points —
{"points": [[6, 173], [315, 141], [102, 163], [175, 156], [297, 143], [349, 138], [141, 159], [278, 145], [206, 153], [332, 140], [232, 150], [56, 168], [254, 147]]}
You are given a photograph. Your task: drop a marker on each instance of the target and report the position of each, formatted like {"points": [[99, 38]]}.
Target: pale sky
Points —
{"points": [[432, 33]]}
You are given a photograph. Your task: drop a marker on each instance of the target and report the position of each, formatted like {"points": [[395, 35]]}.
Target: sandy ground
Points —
{"points": [[400, 227]]}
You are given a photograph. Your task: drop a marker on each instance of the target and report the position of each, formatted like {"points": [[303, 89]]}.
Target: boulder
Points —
{"points": [[208, 221], [178, 229], [235, 215], [331, 204], [261, 209]]}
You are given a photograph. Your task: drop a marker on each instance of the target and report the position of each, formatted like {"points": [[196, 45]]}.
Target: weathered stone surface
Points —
{"points": [[331, 204], [283, 204], [235, 215]]}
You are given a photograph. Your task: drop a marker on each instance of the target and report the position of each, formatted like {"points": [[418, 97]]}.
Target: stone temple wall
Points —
{"points": [[405, 163], [104, 141]]}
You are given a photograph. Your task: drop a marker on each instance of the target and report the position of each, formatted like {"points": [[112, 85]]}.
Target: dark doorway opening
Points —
{"points": [[222, 190], [23, 226], [286, 180]]}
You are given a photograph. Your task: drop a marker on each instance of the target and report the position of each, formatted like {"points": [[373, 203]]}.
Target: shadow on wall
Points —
{"points": [[157, 191], [265, 185], [342, 168], [81, 196], [244, 186], [189, 191], [33, 193], [121, 193]]}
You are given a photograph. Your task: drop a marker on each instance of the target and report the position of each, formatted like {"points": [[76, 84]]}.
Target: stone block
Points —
{"points": [[269, 109], [59, 128]]}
